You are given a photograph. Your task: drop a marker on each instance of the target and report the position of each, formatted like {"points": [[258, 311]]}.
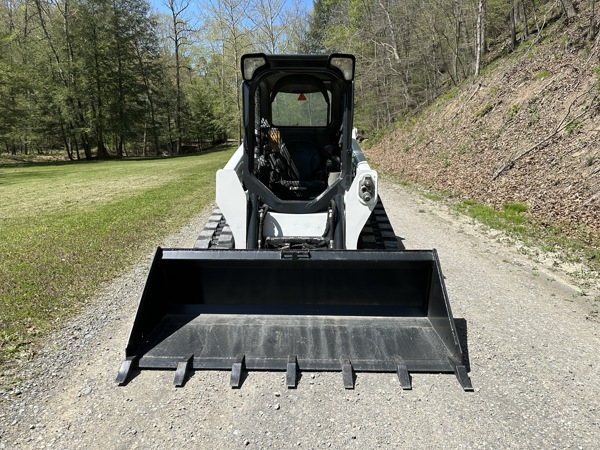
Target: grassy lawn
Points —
{"points": [[66, 227]]}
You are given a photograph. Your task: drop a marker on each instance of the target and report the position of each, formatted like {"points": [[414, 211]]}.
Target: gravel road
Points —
{"points": [[533, 345]]}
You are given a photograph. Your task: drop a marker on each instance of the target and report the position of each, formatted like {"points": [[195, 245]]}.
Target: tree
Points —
{"points": [[322, 13], [266, 16], [180, 31], [151, 73], [294, 18], [132, 52], [227, 22]]}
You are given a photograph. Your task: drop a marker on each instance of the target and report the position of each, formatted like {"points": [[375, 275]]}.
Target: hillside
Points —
{"points": [[527, 130]]}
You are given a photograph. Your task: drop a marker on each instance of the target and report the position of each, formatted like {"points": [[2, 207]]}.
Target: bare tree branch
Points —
{"points": [[564, 123]]}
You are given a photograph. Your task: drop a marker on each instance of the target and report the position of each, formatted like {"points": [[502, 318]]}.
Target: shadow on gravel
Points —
{"points": [[131, 376], [401, 245], [461, 329]]}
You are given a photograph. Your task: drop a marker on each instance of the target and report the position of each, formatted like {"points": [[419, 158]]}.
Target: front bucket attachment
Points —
{"points": [[238, 310]]}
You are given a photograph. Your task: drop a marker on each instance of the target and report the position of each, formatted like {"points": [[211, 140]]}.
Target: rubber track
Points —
{"points": [[216, 233], [377, 233]]}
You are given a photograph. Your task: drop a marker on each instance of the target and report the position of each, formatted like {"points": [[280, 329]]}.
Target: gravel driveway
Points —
{"points": [[533, 347]]}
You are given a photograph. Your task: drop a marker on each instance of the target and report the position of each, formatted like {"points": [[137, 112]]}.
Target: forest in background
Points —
{"points": [[101, 78]]}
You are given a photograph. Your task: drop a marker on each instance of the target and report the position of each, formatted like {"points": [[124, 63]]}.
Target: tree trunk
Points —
{"points": [[66, 142], [101, 152], [457, 27], [592, 30], [145, 143], [568, 8], [525, 21], [479, 45], [513, 26], [77, 149], [119, 145], [170, 132], [238, 95], [176, 10]]}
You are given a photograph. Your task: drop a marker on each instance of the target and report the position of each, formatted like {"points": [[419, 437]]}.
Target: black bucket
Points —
{"points": [[377, 311]]}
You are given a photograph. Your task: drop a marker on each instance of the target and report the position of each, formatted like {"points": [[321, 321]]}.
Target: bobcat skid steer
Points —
{"points": [[298, 269]]}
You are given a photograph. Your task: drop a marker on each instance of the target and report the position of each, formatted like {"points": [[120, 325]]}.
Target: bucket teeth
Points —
{"points": [[347, 374], [237, 372], [404, 377], [125, 370], [291, 374], [463, 378], [181, 373]]}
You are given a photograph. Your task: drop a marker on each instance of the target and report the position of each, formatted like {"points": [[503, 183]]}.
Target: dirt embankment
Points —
{"points": [[527, 130]]}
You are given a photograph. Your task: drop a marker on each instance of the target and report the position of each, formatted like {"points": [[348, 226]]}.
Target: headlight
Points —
{"points": [[345, 63], [250, 63]]}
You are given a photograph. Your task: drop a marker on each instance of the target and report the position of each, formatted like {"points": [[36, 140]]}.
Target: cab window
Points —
{"points": [[300, 110]]}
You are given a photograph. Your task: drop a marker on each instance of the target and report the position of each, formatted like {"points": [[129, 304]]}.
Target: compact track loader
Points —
{"points": [[298, 269]]}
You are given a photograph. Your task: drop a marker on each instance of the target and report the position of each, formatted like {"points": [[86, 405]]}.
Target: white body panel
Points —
{"points": [[232, 199], [357, 210], [305, 225]]}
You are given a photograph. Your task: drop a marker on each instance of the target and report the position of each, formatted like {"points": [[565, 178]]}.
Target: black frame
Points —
{"points": [[279, 65]]}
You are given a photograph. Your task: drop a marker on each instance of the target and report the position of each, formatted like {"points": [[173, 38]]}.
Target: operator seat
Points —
{"points": [[302, 171]]}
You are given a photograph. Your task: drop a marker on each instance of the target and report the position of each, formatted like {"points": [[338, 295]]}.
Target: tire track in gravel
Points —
{"points": [[533, 355]]}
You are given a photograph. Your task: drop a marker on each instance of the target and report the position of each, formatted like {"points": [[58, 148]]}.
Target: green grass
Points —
{"points": [[511, 218], [483, 111], [573, 125], [534, 115], [575, 244], [542, 74], [432, 196], [490, 67], [580, 243], [449, 95], [66, 227], [514, 110], [463, 148]]}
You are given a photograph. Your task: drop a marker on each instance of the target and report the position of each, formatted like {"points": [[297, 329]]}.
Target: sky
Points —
{"points": [[159, 5]]}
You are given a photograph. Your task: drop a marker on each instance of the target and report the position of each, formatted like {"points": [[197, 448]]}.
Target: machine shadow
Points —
{"points": [[462, 330]]}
